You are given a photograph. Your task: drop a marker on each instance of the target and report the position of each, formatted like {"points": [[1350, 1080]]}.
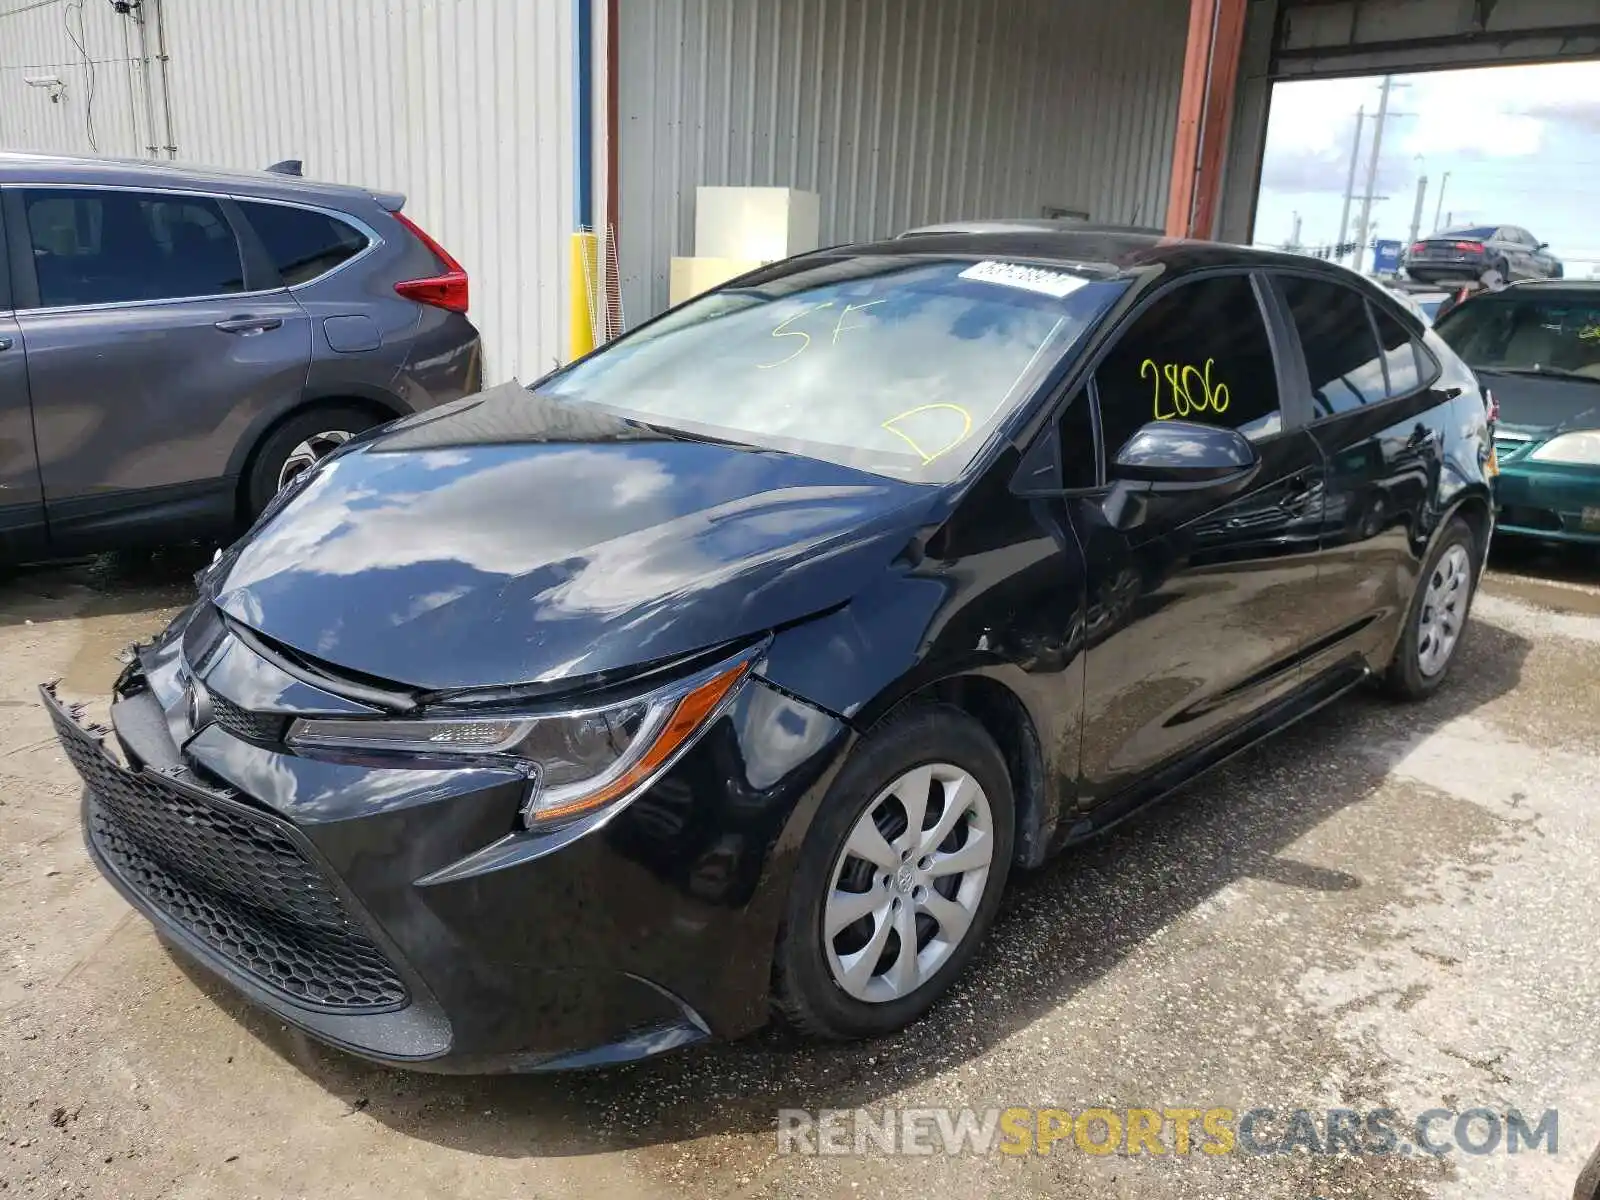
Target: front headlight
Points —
{"points": [[577, 761], [1580, 449]]}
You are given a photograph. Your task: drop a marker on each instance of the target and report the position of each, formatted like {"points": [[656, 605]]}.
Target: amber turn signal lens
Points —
{"points": [[687, 717]]}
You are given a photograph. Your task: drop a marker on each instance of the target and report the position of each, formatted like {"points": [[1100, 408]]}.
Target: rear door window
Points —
{"points": [[1341, 352], [111, 247], [1401, 360], [1199, 353], [301, 243]]}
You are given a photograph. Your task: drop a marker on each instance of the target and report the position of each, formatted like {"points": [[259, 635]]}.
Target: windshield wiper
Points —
{"points": [[1546, 372]]}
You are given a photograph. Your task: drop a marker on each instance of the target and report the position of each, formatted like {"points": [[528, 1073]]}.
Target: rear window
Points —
{"points": [[301, 243], [1476, 231]]}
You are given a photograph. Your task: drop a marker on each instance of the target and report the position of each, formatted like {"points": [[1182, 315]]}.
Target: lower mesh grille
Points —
{"points": [[235, 880]]}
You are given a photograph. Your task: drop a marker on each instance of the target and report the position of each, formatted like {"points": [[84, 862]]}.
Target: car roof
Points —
{"points": [[1109, 251], [1028, 224], [1552, 285], [23, 167]]}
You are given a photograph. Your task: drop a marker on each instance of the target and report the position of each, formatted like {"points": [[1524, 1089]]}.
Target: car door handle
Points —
{"points": [[1297, 494], [250, 324]]}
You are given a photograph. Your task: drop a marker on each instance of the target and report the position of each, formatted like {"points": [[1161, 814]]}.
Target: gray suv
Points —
{"points": [[176, 345]]}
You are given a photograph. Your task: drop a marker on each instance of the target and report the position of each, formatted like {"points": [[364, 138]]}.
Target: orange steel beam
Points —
{"points": [[1205, 112], [1220, 97], [1191, 112]]}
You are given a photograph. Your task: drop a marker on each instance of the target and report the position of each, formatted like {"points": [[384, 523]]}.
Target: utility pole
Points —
{"points": [[1439, 207], [1365, 222], [1350, 181], [1416, 213], [1294, 238]]}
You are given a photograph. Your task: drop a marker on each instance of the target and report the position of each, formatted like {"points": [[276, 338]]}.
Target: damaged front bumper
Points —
{"points": [[402, 913]]}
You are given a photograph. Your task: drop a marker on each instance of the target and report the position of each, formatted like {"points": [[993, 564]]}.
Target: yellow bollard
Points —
{"points": [[585, 275]]}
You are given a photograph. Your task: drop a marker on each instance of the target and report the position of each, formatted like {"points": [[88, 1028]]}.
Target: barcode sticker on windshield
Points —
{"points": [[1033, 279]]}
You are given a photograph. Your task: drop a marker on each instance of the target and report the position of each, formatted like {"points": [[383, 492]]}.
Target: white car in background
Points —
{"points": [[1424, 303]]}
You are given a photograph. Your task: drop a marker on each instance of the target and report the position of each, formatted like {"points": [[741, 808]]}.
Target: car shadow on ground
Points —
{"points": [[1062, 928], [124, 581], [1559, 562]]}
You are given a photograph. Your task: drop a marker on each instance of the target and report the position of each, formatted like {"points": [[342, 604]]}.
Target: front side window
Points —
{"points": [[1340, 352], [1199, 353], [896, 364], [1540, 334], [108, 247], [302, 244]]}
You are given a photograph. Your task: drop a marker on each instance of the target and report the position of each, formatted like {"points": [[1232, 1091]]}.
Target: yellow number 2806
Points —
{"points": [[1189, 389]]}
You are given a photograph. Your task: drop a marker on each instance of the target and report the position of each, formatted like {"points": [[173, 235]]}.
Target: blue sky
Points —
{"points": [[1522, 145]]}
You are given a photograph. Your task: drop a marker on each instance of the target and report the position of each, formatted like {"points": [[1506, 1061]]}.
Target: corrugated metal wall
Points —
{"points": [[95, 54], [899, 112], [464, 105]]}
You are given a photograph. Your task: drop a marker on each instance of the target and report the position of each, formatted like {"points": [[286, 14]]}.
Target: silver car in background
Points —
{"points": [[176, 345]]}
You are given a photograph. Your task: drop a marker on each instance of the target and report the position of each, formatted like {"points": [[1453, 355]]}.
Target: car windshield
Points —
{"points": [[894, 364], [1508, 332]]}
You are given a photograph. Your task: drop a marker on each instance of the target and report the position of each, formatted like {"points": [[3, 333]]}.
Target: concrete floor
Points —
{"points": [[1387, 907]]}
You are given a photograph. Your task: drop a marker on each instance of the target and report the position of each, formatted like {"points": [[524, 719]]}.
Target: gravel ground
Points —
{"points": [[1385, 908]]}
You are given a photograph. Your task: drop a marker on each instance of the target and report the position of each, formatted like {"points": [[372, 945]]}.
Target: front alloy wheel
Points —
{"points": [[898, 878]]}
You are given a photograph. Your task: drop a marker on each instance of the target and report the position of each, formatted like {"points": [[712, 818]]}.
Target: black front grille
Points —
{"points": [[242, 723], [235, 879]]}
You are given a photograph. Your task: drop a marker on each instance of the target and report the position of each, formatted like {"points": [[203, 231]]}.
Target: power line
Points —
{"points": [[14, 12]]}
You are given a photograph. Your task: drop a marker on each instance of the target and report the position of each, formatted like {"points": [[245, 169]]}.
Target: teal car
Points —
{"points": [[1536, 347]]}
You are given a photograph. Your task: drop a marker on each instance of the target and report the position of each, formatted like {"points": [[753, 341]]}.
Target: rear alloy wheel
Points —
{"points": [[899, 877], [297, 446], [310, 452], [1444, 610], [1437, 617]]}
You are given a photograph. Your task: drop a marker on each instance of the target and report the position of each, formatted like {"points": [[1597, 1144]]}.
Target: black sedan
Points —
{"points": [[1468, 253], [734, 668]]}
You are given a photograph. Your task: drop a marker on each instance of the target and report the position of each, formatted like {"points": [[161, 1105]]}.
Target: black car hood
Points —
{"points": [[507, 539], [1544, 405]]}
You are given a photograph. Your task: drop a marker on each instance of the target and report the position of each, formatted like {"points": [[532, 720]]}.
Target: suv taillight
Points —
{"points": [[448, 290]]}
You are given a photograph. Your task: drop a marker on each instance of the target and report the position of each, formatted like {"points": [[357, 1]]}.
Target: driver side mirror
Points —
{"points": [[1173, 458], [1542, 246]]}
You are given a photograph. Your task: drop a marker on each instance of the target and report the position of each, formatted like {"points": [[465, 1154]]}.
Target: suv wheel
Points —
{"points": [[898, 879], [298, 445]]}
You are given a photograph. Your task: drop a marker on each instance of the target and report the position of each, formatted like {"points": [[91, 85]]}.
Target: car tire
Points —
{"points": [[1437, 616], [306, 430], [1503, 269], [810, 967]]}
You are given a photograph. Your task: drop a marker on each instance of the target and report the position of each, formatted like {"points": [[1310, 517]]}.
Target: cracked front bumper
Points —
{"points": [[403, 915]]}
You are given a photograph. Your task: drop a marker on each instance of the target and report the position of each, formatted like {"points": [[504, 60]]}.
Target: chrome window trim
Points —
{"points": [[374, 241]]}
